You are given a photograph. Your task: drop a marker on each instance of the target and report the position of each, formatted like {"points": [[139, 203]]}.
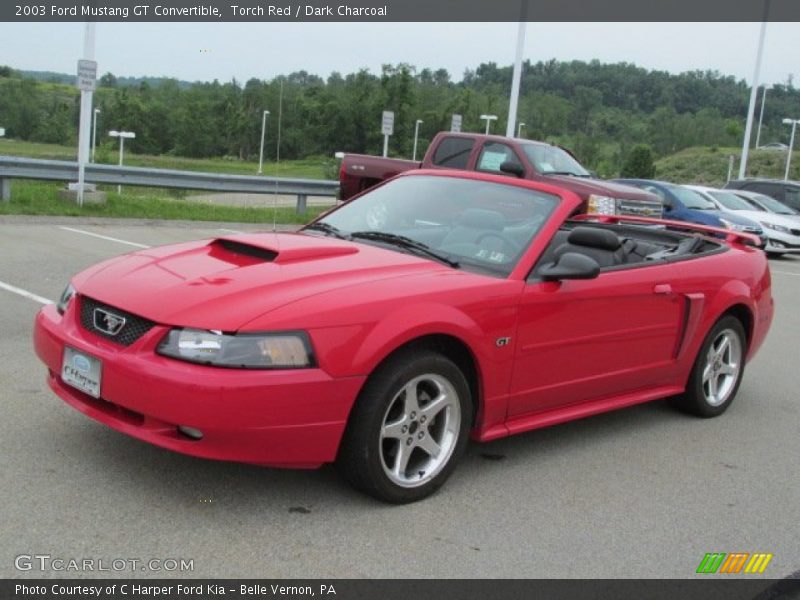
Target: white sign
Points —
{"points": [[2, 132], [455, 124], [388, 123], [87, 75]]}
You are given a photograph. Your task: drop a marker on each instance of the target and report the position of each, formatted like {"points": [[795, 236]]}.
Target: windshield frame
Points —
{"points": [[544, 204]]}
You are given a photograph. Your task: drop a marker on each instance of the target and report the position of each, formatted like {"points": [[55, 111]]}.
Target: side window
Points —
{"points": [[792, 198], [453, 152], [764, 188], [495, 154]]}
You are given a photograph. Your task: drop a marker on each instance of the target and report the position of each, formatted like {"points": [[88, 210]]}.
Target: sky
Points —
{"points": [[207, 51]]}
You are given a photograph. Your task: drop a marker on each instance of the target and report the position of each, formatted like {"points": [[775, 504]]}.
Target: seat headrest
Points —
{"points": [[478, 218], [594, 237]]}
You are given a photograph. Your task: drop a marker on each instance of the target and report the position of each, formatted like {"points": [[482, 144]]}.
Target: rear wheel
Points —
{"points": [[717, 371], [408, 429]]}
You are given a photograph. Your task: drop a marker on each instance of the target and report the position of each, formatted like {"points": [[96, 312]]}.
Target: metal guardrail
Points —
{"points": [[14, 167]]}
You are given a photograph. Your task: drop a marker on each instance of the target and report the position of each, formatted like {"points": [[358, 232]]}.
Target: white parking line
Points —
{"points": [[785, 272], [230, 230], [25, 293], [104, 237]]}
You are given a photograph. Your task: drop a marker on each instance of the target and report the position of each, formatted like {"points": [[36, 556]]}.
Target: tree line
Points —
{"points": [[600, 111]]}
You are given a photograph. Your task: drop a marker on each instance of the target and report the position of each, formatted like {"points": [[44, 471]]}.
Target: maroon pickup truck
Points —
{"points": [[514, 157]]}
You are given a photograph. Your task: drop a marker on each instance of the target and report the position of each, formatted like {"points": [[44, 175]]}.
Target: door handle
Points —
{"points": [[662, 288]]}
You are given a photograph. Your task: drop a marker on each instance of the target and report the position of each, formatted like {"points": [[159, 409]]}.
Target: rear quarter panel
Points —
{"points": [[738, 276]]}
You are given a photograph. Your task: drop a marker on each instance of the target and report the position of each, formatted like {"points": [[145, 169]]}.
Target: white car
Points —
{"points": [[767, 203], [782, 231]]}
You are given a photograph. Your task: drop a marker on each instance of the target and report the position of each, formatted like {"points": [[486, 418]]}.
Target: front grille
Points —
{"points": [[134, 328]]}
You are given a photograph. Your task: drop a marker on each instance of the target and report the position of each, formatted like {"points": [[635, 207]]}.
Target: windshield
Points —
{"points": [[469, 224], [773, 205], [692, 199], [731, 201], [552, 159]]}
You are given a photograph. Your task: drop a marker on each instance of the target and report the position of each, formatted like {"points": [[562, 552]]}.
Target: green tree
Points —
{"points": [[639, 164]]}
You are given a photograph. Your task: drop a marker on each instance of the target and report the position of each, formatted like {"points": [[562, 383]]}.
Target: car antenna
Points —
{"points": [[277, 162]]}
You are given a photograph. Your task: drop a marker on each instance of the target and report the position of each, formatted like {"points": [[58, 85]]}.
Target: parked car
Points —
{"points": [[436, 307], [786, 192], [782, 233], [774, 146], [767, 203], [525, 159], [682, 204]]}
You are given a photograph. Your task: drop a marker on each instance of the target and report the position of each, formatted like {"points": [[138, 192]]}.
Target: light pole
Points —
{"points": [[748, 128], [94, 132], [122, 135], [416, 137], [488, 119], [519, 128], [793, 123], [263, 131], [761, 118]]}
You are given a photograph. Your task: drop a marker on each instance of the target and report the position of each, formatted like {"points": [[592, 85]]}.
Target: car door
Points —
{"points": [[582, 340]]}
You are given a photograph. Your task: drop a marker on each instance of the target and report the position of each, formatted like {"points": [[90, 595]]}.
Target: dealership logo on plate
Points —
{"points": [[108, 322], [81, 363]]}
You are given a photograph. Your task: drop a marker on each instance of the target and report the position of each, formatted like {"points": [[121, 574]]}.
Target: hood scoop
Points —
{"points": [[222, 246], [254, 250]]}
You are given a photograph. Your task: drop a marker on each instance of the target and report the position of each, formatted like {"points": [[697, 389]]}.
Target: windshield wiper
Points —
{"points": [[405, 242], [327, 229]]}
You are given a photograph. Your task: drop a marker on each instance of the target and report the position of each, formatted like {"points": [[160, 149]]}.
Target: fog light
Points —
{"points": [[777, 244], [190, 432]]}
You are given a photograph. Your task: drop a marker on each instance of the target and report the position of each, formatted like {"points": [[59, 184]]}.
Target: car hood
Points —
{"points": [[735, 218], [771, 218], [227, 282], [586, 186]]}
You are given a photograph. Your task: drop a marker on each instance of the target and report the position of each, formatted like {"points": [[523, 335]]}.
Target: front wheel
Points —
{"points": [[717, 371], [408, 429]]}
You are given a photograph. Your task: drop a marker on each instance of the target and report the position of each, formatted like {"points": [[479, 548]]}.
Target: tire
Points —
{"points": [[401, 451], [717, 371]]}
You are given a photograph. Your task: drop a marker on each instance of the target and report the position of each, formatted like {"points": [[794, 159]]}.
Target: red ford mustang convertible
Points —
{"points": [[436, 307]]}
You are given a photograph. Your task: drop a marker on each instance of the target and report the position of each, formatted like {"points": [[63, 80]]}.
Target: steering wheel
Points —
{"points": [[507, 242]]}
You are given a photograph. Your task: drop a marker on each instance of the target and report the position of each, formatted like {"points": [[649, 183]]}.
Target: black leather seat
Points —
{"points": [[602, 245]]}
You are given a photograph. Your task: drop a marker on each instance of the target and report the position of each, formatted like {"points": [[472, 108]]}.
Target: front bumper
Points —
{"points": [[782, 243], [292, 418]]}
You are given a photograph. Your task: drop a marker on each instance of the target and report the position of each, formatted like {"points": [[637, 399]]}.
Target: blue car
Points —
{"points": [[683, 204]]}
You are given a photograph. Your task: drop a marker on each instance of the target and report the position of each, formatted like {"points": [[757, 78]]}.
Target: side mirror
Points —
{"points": [[668, 205], [513, 168], [571, 265]]}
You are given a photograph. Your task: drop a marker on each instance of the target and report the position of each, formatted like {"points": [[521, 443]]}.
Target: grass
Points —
{"points": [[308, 168], [35, 198], [709, 166]]}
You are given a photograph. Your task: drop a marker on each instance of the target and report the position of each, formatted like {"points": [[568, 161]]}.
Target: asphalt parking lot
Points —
{"points": [[643, 492]]}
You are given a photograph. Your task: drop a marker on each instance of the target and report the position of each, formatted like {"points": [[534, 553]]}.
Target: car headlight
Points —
{"points": [[731, 225], [283, 350], [779, 228], [601, 205], [66, 297]]}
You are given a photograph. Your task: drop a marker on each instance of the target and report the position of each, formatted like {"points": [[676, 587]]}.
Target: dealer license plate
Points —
{"points": [[82, 371]]}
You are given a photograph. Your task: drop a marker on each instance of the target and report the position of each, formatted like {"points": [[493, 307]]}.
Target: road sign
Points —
{"points": [[455, 124], [388, 123], [87, 75]]}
